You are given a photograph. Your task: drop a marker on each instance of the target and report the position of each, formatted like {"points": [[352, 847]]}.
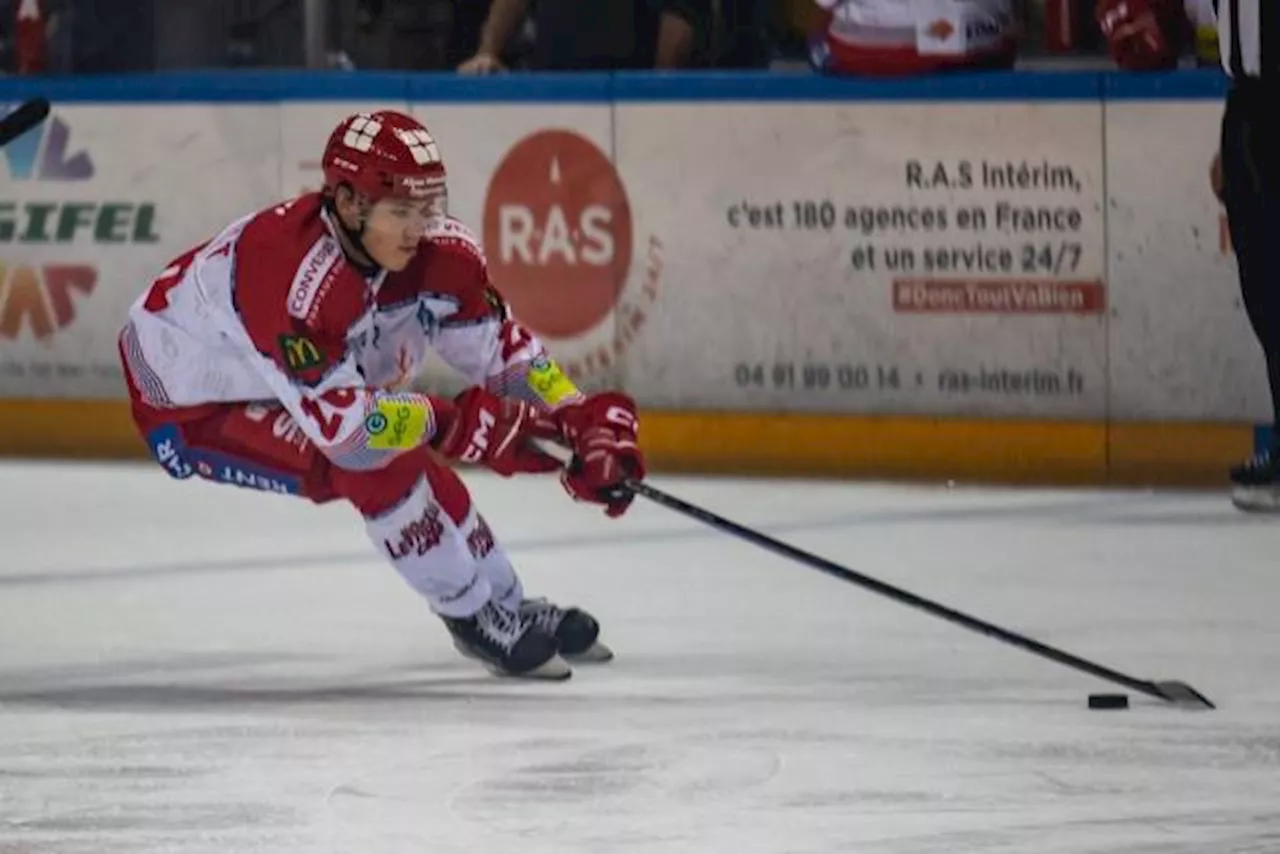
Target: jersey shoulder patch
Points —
{"points": [[287, 254], [314, 278]]}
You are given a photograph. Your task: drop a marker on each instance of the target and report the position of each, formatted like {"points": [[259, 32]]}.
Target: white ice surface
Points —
{"points": [[194, 668]]}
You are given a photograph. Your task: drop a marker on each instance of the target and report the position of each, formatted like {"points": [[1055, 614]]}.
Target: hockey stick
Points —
{"points": [[24, 118], [1177, 693]]}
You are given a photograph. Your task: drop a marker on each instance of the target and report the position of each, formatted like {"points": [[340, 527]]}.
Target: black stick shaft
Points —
{"points": [[24, 118], [823, 565]]}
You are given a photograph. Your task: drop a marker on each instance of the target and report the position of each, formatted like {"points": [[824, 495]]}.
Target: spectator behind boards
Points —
{"points": [[1204, 26], [598, 35], [907, 37], [1144, 35], [1153, 35]]}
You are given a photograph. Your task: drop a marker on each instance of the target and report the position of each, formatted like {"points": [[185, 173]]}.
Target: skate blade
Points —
{"points": [[597, 653], [1256, 499], [554, 669]]}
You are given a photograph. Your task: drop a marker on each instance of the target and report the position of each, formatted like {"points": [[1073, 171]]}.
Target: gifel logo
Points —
{"points": [[559, 232], [44, 220]]}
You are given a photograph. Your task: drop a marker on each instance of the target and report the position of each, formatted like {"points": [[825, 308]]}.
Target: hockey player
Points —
{"points": [[279, 354]]}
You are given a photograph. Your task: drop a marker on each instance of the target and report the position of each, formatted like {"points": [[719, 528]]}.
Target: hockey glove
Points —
{"points": [[601, 432], [1143, 35], [480, 427]]}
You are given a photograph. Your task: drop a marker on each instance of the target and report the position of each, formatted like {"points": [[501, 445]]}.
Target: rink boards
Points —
{"points": [[1002, 277]]}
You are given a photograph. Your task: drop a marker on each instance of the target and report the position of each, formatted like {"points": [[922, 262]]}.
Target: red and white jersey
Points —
{"points": [[271, 310], [892, 37]]}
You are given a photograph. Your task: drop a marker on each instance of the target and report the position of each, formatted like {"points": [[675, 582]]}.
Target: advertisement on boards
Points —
{"points": [[96, 201], [873, 257], [1180, 343]]}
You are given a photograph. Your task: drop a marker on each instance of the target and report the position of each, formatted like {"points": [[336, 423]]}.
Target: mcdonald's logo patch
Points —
{"points": [[300, 353]]}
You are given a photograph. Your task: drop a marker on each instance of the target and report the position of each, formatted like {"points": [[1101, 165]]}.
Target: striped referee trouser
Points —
{"points": [[1251, 193]]}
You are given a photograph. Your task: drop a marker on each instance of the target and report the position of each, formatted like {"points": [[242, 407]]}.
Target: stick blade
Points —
{"points": [[1183, 695]]}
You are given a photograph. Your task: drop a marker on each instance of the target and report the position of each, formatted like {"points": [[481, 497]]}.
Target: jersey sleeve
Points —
{"points": [[304, 356], [482, 340]]}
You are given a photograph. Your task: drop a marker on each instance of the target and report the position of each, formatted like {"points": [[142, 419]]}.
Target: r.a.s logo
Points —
{"points": [[41, 217]]}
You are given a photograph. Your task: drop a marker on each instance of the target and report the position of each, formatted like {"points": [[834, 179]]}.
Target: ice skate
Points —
{"points": [[1256, 483], [508, 643], [576, 631]]}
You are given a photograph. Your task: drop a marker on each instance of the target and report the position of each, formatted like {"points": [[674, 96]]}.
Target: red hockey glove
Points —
{"points": [[1143, 35], [480, 427], [601, 432]]}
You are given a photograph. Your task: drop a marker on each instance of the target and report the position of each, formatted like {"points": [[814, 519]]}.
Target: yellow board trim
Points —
{"points": [[914, 448], [74, 429]]}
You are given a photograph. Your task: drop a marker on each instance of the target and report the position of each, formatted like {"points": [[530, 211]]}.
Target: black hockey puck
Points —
{"points": [[1108, 701]]}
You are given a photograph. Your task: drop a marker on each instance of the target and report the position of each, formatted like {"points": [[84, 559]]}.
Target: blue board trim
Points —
{"points": [[770, 86], [210, 87], [227, 86], [1197, 84], [546, 88]]}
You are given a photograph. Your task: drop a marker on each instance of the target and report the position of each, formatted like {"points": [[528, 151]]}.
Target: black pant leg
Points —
{"points": [[1251, 187]]}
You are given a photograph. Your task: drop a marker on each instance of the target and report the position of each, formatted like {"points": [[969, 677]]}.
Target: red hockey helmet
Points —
{"points": [[382, 155]]}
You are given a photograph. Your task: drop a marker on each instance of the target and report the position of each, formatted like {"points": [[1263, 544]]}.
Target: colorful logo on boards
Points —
{"points": [[44, 153], [560, 238], [38, 298]]}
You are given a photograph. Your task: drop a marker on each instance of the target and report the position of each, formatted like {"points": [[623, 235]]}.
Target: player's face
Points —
{"points": [[394, 228]]}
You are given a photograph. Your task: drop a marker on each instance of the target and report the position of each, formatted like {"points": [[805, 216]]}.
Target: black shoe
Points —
{"points": [[576, 631], [1256, 482], [508, 643]]}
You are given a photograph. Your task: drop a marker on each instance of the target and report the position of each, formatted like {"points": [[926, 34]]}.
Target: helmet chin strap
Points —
{"points": [[355, 236]]}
